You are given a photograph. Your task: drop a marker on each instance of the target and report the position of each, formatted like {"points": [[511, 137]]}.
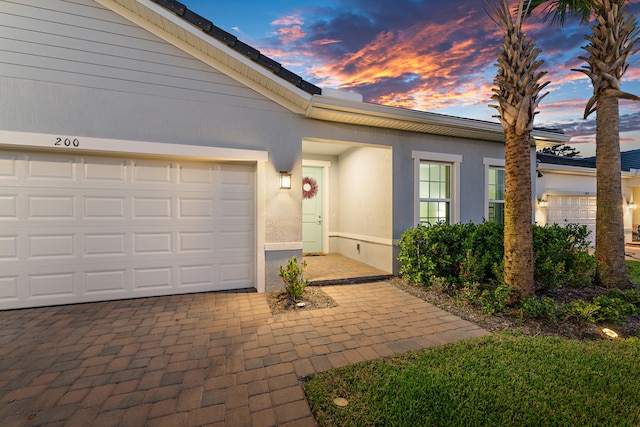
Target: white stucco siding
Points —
{"points": [[83, 44]]}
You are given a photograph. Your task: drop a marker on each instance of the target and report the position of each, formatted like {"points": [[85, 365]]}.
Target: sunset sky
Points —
{"points": [[430, 55]]}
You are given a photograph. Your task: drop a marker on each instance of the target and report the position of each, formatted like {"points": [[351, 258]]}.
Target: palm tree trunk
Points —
{"points": [[612, 271], [518, 234]]}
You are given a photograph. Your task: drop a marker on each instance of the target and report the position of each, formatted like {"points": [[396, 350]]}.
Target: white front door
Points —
{"points": [[312, 209]]}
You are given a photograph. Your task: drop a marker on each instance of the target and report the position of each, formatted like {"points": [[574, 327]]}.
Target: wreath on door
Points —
{"points": [[309, 187]]}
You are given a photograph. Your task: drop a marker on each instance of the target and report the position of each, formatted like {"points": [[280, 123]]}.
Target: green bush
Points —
{"points": [[485, 242], [415, 264], [580, 310], [463, 254], [433, 251], [539, 308], [561, 256], [494, 301], [294, 284], [614, 306]]}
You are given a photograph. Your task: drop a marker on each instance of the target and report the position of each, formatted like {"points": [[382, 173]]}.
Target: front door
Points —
{"points": [[312, 220]]}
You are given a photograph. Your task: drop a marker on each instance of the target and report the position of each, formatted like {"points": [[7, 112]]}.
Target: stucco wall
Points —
{"points": [[104, 77]]}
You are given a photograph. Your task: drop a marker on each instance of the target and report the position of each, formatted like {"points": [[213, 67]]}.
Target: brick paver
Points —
{"points": [[202, 359]]}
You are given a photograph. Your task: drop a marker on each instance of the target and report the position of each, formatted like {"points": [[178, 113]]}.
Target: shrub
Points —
{"points": [[613, 308], [415, 263], [561, 256], [580, 310], [463, 254], [294, 284], [494, 301], [486, 244], [539, 308]]}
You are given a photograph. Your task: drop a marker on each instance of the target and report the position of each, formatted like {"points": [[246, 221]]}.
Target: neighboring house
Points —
{"points": [[566, 191], [141, 149]]}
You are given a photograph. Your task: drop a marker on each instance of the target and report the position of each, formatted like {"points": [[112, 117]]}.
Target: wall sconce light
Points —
{"points": [[285, 180], [632, 205], [542, 203]]}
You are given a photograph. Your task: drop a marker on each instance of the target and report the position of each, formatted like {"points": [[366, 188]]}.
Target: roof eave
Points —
{"points": [[367, 114]]}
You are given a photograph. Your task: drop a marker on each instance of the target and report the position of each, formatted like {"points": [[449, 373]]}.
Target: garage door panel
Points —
{"points": [[52, 284], [8, 247], [83, 228], [98, 245], [151, 172], [8, 289], [101, 207], [43, 167], [58, 246], [108, 171], [8, 206]]}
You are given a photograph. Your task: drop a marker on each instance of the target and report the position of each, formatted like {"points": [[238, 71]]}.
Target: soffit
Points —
{"points": [[345, 111]]}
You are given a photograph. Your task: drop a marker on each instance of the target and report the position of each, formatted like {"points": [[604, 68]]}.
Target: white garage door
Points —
{"points": [[573, 209], [83, 228]]}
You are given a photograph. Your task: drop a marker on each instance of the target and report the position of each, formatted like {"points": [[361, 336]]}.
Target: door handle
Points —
{"points": [[319, 220]]}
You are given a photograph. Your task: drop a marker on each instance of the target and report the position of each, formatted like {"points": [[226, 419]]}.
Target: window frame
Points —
{"points": [[452, 160], [490, 163]]}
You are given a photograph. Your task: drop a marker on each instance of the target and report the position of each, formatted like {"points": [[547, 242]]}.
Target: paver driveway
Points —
{"points": [[202, 359]]}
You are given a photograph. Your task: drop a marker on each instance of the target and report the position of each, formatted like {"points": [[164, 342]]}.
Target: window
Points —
{"points": [[494, 189], [437, 187], [435, 192], [496, 195]]}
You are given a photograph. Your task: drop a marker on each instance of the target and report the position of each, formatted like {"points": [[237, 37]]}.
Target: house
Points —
{"points": [[142, 148], [566, 192]]}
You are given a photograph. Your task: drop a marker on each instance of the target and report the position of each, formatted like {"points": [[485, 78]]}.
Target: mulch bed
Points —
{"points": [[528, 326], [313, 299]]}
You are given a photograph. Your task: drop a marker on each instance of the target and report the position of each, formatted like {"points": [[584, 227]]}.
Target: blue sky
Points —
{"points": [[422, 54]]}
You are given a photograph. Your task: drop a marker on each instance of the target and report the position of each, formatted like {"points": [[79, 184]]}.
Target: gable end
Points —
{"points": [[237, 45]]}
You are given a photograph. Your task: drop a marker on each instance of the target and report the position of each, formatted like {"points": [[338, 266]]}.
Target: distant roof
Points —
{"points": [[243, 48], [552, 159], [628, 160]]}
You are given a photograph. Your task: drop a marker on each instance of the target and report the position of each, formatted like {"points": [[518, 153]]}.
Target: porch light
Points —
{"points": [[542, 203], [285, 180], [631, 205]]}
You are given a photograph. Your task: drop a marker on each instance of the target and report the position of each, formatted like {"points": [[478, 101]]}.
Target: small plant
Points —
{"points": [[539, 308], [495, 301], [581, 311], [294, 284], [614, 307], [467, 294]]}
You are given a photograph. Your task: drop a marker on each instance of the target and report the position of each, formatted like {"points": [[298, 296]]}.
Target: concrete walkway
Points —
{"points": [[202, 359]]}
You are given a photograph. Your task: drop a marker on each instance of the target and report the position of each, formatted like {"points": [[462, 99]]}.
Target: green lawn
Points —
{"points": [[633, 267], [500, 380]]}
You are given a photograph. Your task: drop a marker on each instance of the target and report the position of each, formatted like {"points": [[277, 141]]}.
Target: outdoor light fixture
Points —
{"points": [[285, 180], [631, 205], [610, 333], [542, 203]]}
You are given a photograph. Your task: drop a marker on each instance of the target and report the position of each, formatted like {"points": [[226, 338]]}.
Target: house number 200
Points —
{"points": [[67, 142]]}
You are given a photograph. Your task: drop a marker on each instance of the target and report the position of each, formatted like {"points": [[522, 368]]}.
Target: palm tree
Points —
{"points": [[517, 91], [612, 43]]}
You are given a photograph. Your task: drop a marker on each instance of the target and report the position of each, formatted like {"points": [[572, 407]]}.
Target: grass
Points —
{"points": [[500, 380], [633, 268]]}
